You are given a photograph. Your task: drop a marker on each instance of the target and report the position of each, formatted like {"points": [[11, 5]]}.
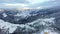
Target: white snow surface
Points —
{"points": [[49, 31], [13, 27], [5, 15]]}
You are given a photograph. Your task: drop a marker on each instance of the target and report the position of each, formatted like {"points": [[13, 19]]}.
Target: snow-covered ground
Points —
{"points": [[38, 26], [46, 31], [36, 23]]}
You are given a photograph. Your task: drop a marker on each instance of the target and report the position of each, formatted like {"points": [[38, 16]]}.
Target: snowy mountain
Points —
{"points": [[30, 21]]}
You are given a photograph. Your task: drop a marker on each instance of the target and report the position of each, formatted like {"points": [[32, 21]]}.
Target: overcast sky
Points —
{"points": [[28, 3]]}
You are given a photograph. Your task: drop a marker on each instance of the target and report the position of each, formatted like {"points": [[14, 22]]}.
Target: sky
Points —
{"points": [[28, 3]]}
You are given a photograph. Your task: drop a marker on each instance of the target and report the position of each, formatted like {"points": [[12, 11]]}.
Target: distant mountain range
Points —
{"points": [[24, 16], [27, 15]]}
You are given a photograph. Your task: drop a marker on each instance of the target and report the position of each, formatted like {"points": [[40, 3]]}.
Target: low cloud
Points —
{"points": [[38, 1], [16, 4], [29, 3]]}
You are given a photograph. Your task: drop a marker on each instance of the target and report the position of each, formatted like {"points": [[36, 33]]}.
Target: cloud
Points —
{"points": [[28, 3], [13, 5], [16, 4], [13, 1], [49, 3], [37, 1]]}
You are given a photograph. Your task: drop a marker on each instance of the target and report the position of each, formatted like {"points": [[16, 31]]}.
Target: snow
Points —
{"points": [[6, 25], [48, 32], [23, 14], [4, 15], [26, 13], [13, 27], [42, 21]]}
